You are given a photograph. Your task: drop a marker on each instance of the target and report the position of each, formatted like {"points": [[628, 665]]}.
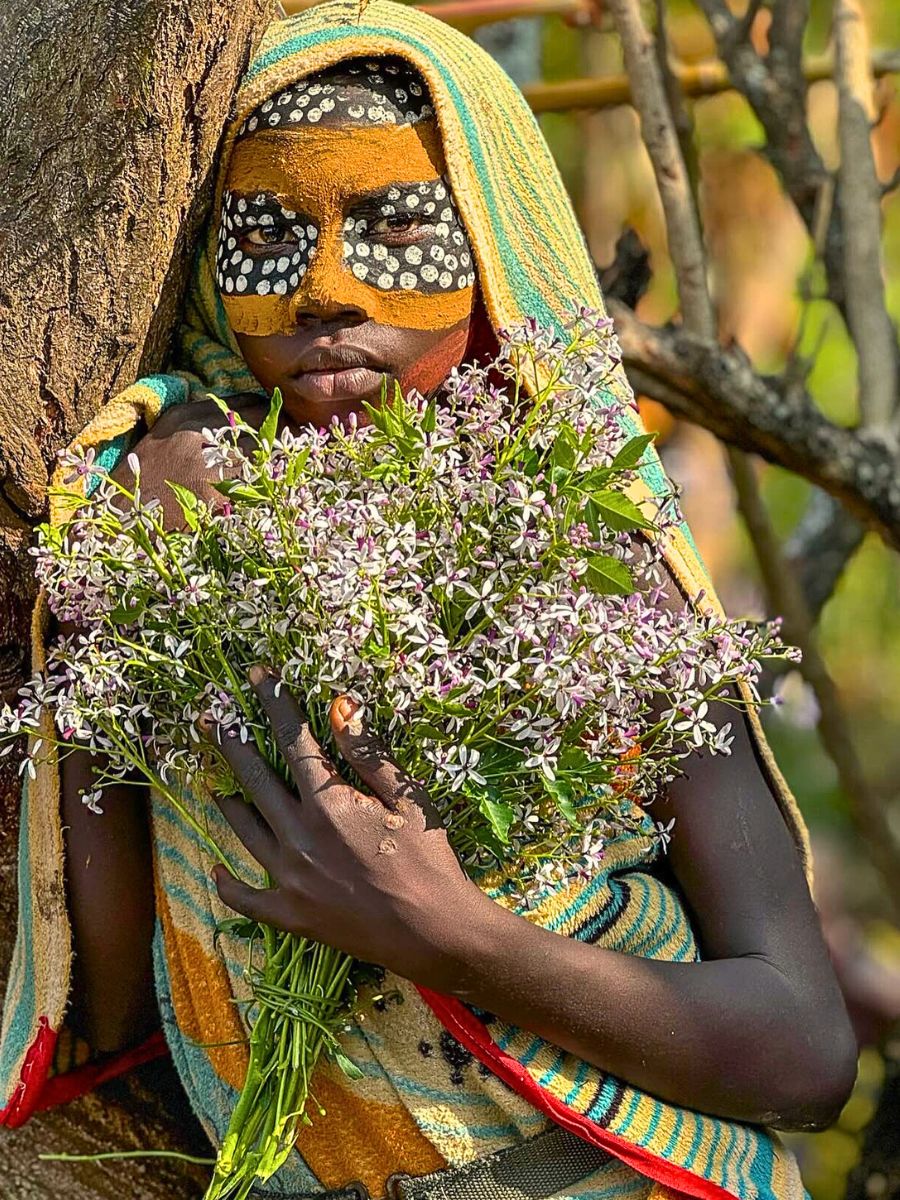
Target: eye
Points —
{"points": [[277, 234], [401, 223]]}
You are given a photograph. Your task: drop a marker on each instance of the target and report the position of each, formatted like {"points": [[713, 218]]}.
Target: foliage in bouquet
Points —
{"points": [[470, 567]]}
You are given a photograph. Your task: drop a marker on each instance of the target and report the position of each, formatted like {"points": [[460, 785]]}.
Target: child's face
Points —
{"points": [[342, 260]]}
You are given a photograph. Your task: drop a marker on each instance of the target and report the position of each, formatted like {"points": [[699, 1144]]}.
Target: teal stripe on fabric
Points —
{"points": [[727, 1171], [676, 1133], [581, 901], [580, 1074], [23, 1027], [547, 1078], [532, 1052], [762, 1167], [636, 884], [648, 1134], [716, 1128], [696, 1143], [634, 1104], [608, 1092], [649, 940], [633, 1189], [510, 1131]]}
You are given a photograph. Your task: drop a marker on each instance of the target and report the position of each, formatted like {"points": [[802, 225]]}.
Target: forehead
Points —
{"points": [[316, 166]]}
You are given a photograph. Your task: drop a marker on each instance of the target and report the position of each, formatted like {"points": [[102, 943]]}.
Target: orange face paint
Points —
{"points": [[329, 218]]}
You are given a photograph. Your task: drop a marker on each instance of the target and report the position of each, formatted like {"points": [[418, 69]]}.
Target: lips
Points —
{"points": [[336, 373], [335, 358]]}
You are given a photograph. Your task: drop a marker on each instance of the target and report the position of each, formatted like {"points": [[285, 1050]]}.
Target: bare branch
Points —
{"points": [[707, 78], [786, 597], [661, 139], [859, 196], [821, 544], [717, 387]]}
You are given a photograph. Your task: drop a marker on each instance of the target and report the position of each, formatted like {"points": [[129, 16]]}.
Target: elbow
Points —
{"points": [[813, 1085]]}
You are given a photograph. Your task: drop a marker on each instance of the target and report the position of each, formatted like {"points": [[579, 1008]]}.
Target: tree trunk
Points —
{"points": [[111, 112]]}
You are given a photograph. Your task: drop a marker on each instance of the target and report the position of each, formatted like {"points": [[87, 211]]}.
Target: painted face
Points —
{"points": [[360, 216]]}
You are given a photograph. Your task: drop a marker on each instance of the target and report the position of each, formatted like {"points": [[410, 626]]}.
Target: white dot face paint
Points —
{"points": [[411, 206], [260, 271], [407, 238]]}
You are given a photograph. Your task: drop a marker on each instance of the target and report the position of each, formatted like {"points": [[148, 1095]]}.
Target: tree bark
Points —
{"points": [[111, 112]]}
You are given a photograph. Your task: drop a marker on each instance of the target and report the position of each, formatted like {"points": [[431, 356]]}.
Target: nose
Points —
{"points": [[326, 310], [326, 291]]}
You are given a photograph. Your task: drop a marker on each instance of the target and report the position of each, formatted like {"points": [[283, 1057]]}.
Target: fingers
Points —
{"points": [[368, 756], [259, 904], [251, 829], [310, 767], [257, 779]]}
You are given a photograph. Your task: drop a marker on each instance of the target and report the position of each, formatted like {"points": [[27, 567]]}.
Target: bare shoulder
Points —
{"points": [[171, 451]]}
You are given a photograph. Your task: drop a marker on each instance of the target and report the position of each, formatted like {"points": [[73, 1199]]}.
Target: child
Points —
{"points": [[385, 203]]}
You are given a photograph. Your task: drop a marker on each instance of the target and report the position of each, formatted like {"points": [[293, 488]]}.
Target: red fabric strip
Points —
{"points": [[32, 1077], [472, 1034], [35, 1092], [63, 1088]]}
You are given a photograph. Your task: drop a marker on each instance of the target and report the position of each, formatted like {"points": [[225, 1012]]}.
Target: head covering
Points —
{"points": [[532, 263]]}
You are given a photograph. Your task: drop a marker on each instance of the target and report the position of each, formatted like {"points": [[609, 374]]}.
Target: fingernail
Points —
{"points": [[205, 722], [345, 709], [257, 674]]}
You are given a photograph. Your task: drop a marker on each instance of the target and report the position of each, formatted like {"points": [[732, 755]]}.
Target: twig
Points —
{"points": [[661, 140], [707, 78], [717, 387], [859, 197], [786, 597]]}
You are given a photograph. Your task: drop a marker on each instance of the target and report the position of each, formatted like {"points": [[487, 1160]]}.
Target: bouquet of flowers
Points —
{"points": [[469, 568]]}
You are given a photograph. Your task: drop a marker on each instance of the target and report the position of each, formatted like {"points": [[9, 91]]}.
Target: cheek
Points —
{"points": [[435, 359]]}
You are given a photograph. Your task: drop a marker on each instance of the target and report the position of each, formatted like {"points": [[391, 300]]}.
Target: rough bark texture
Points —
{"points": [[110, 115]]}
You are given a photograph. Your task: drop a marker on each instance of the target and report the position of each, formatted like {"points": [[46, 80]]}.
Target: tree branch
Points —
{"points": [[786, 597], [661, 140], [717, 387], [859, 196]]}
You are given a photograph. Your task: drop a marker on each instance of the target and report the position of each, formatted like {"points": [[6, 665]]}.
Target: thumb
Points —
{"points": [[370, 758]]}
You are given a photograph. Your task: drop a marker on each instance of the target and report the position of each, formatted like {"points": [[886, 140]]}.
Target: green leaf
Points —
{"points": [[564, 449], [220, 404], [530, 461], [296, 466], [269, 428], [608, 576], [240, 927], [597, 477], [429, 418], [618, 512], [188, 503], [498, 814], [350, 1069], [632, 452], [234, 489], [126, 613], [563, 793], [573, 758]]}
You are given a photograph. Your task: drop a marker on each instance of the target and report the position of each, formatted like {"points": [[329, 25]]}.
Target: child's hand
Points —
{"points": [[373, 875]]}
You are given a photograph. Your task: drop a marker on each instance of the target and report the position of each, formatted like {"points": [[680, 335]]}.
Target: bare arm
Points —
{"points": [[110, 894]]}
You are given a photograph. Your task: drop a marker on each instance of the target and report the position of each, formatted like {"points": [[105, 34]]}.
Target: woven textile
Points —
{"points": [[441, 1084]]}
